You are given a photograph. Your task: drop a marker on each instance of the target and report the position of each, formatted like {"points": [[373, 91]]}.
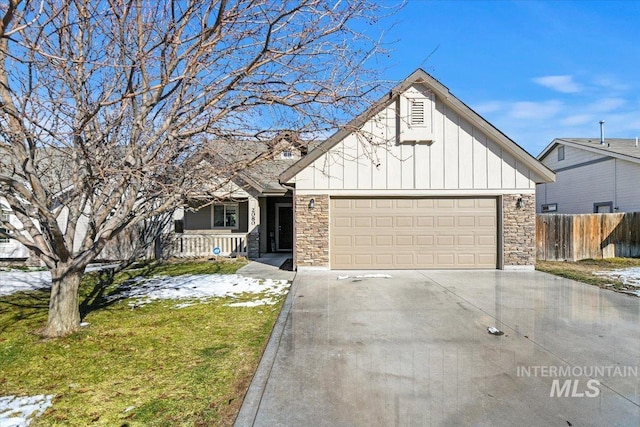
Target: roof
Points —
{"points": [[254, 161], [442, 92], [626, 149]]}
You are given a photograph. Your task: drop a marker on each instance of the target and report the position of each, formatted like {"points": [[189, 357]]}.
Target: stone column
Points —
{"points": [[312, 231], [519, 230]]}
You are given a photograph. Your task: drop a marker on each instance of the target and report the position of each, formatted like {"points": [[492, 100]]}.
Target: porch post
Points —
{"points": [[253, 235]]}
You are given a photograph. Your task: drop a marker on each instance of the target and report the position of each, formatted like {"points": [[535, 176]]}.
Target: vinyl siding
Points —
{"points": [[572, 156], [460, 157], [576, 190]]}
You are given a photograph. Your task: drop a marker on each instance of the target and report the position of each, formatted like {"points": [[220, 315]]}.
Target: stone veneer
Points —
{"points": [[519, 230], [253, 244], [312, 231]]}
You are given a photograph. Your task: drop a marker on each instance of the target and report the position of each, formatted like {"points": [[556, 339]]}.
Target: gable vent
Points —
{"points": [[417, 112]]}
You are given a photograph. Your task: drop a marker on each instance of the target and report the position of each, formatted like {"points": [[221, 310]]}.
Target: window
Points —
{"points": [[603, 207], [287, 154], [550, 207], [561, 153], [225, 215], [4, 217]]}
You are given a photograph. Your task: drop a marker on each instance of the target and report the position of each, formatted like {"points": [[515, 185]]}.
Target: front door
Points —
{"points": [[284, 227]]}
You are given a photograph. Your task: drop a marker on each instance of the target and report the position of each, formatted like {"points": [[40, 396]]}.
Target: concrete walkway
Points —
{"points": [[268, 267], [414, 350]]}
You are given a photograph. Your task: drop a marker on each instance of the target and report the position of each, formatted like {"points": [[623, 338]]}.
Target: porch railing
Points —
{"points": [[198, 245]]}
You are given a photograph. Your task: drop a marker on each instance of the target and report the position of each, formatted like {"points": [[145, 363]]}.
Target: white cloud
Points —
{"points": [[535, 110], [610, 83], [607, 104], [578, 120], [563, 84], [489, 107]]}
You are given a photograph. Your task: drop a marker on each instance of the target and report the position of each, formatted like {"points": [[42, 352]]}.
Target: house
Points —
{"points": [[592, 176], [10, 249], [419, 180], [251, 213]]}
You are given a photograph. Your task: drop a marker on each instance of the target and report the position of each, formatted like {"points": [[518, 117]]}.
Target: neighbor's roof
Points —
{"points": [[621, 148], [442, 92]]}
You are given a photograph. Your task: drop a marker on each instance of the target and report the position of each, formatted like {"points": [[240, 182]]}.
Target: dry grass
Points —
{"points": [[583, 270], [149, 366]]}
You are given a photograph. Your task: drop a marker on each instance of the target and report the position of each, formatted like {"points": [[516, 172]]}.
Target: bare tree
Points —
{"points": [[108, 107]]}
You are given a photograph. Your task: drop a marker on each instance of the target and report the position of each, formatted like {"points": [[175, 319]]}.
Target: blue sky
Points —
{"points": [[536, 70]]}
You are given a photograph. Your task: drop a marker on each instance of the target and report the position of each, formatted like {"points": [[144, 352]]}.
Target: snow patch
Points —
{"points": [[20, 411], [628, 276], [22, 281], [199, 288]]}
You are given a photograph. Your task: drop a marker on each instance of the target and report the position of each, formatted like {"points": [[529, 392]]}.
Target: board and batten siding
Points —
{"points": [[577, 189], [460, 157]]}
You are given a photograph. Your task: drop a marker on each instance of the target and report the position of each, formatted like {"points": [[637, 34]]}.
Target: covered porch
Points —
{"points": [[250, 226]]}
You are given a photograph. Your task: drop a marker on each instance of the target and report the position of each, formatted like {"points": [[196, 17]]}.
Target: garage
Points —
{"points": [[409, 233], [417, 181]]}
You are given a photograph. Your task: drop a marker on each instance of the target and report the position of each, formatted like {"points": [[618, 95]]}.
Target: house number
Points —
{"points": [[253, 216]]}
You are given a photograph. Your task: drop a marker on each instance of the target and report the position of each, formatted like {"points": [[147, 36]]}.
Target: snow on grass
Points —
{"points": [[19, 411], [21, 281], [200, 287], [628, 276], [12, 281], [194, 288]]}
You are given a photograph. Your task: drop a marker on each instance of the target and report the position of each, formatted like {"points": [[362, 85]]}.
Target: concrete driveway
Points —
{"points": [[414, 350]]}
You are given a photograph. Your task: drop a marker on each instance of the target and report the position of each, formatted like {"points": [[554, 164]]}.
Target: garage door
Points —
{"points": [[413, 233]]}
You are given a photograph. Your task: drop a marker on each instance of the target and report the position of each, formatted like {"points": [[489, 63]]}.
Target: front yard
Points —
{"points": [[619, 274], [143, 359]]}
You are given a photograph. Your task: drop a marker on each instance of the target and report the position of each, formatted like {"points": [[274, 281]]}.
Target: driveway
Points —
{"points": [[414, 350]]}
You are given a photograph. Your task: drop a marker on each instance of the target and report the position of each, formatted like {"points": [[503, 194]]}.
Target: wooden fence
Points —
{"points": [[575, 237]]}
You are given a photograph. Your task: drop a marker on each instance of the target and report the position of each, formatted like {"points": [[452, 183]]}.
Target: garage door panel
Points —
{"points": [[486, 241], [467, 240], [466, 221], [362, 203], [424, 221], [383, 203], [424, 240], [413, 233], [404, 240], [363, 222], [382, 241], [384, 222], [446, 240], [342, 203], [364, 241], [342, 222], [343, 241]]}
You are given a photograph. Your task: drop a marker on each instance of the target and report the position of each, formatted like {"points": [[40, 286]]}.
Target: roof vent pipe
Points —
{"points": [[601, 132], [636, 141]]}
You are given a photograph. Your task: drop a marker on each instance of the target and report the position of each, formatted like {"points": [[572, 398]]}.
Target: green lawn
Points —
{"points": [[149, 366]]}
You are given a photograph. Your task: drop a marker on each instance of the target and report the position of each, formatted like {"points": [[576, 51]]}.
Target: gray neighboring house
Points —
{"points": [[591, 177]]}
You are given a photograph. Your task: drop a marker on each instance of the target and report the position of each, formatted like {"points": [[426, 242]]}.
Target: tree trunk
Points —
{"points": [[64, 308]]}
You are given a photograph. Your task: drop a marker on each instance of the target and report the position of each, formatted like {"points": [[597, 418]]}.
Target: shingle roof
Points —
{"points": [[258, 162], [616, 147]]}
